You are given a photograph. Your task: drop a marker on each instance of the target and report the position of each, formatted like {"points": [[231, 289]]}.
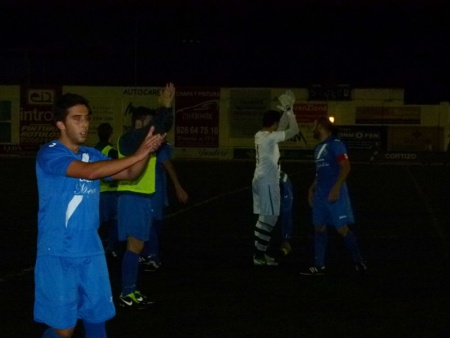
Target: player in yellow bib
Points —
{"points": [[135, 207]]}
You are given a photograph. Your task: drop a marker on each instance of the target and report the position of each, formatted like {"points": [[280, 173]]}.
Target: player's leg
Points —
{"points": [[112, 239], [108, 218], [320, 235], [342, 214], [287, 197], [130, 296], [155, 252], [130, 265], [351, 243], [134, 218], [127, 223], [113, 235], [320, 245], [150, 255], [94, 330], [145, 250], [321, 217], [263, 236], [58, 333], [56, 295], [95, 301], [266, 203], [151, 248]]}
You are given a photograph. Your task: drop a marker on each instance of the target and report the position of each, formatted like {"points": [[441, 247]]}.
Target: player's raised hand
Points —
{"points": [[182, 195], [310, 198], [333, 196], [150, 144], [167, 95], [286, 100]]}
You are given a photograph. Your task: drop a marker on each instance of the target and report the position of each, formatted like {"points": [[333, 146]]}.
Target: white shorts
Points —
{"points": [[266, 198]]}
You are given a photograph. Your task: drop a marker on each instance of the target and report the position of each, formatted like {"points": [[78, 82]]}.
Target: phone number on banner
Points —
{"points": [[198, 130]]}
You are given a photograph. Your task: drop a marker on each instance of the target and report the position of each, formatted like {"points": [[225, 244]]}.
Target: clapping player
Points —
{"points": [[71, 275]]}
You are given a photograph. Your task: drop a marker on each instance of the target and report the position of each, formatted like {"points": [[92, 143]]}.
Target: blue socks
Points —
{"points": [[151, 247], [49, 333], [351, 243], [92, 330], [130, 267], [320, 245], [321, 242], [95, 330], [146, 250], [113, 235]]}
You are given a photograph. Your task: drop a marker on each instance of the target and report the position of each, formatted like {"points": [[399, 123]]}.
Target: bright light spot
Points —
{"points": [[331, 118]]}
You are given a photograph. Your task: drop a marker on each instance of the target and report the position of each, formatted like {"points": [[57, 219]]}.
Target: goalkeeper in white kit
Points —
{"points": [[277, 127]]}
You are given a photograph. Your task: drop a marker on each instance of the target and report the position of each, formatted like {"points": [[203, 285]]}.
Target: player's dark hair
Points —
{"points": [[270, 117], [326, 124], [140, 112], [65, 102], [104, 131]]}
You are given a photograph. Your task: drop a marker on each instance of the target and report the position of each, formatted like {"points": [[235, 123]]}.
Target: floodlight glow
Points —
{"points": [[331, 118]]}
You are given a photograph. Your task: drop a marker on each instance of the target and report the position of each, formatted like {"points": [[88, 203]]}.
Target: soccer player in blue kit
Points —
{"points": [[108, 192], [135, 214], [286, 219], [71, 275], [328, 197], [150, 255]]}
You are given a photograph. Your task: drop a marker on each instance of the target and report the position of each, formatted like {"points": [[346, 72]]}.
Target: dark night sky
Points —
{"points": [[283, 43]]}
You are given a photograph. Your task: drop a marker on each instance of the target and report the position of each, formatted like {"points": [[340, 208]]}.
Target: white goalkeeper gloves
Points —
{"points": [[287, 101]]}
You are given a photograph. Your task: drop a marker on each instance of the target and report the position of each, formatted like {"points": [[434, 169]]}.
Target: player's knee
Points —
{"points": [[135, 245], [320, 229], [95, 330], [269, 219], [64, 333], [343, 231]]}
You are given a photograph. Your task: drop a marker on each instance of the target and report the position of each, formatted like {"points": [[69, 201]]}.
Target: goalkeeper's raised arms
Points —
{"points": [[287, 100]]}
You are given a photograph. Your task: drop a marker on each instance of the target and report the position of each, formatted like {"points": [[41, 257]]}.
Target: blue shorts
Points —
{"points": [[72, 288], [158, 204], [134, 216], [108, 206], [337, 214], [287, 197]]}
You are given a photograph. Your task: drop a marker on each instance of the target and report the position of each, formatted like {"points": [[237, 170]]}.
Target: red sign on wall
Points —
{"points": [[197, 118], [308, 113]]}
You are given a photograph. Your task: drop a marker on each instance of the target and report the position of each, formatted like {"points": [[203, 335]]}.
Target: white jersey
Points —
{"points": [[267, 155]]}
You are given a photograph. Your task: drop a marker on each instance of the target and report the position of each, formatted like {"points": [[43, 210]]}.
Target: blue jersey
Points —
{"points": [[163, 154], [159, 198], [130, 141], [68, 218], [327, 155]]}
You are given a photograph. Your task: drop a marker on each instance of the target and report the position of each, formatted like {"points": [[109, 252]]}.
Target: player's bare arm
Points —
{"points": [[167, 95], [287, 101], [100, 169], [343, 174], [293, 126], [181, 193], [150, 144]]}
